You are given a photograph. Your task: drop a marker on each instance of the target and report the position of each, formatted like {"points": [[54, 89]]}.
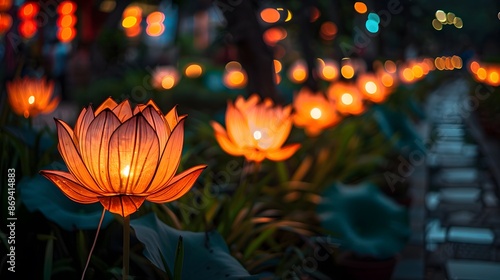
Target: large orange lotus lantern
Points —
{"points": [[347, 98], [120, 157], [256, 130], [314, 112], [371, 88], [30, 97]]}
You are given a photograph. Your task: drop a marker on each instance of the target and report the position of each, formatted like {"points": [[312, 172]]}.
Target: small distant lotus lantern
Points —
{"points": [[371, 88], [256, 130], [314, 112], [347, 98], [30, 97]]}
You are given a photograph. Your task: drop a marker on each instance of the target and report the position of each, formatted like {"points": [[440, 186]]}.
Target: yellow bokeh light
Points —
{"points": [[168, 82], [408, 74], [315, 113], [458, 22], [299, 74], [347, 71], [417, 70], [129, 21], [346, 98], [449, 18], [481, 73], [437, 24], [193, 71], [234, 79], [288, 16], [360, 7], [494, 77], [441, 16], [329, 72]]}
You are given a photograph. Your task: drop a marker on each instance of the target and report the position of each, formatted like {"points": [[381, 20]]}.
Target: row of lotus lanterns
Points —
{"points": [[487, 73]]}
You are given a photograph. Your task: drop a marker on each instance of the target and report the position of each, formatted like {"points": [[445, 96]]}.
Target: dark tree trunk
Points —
{"points": [[306, 39], [254, 55]]}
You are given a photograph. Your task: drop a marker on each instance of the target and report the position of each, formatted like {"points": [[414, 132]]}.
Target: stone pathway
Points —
{"points": [[456, 213]]}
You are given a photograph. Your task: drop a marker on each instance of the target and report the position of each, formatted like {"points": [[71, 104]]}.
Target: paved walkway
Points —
{"points": [[455, 216]]}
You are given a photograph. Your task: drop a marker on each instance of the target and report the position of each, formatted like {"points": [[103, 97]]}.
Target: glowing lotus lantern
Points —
{"points": [[347, 98], [314, 112], [371, 88], [30, 97], [120, 157], [256, 130]]}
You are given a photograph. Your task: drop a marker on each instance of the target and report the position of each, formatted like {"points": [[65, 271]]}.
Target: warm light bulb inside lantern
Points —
{"points": [[370, 87], [257, 135], [126, 171], [347, 98], [31, 99], [315, 113]]}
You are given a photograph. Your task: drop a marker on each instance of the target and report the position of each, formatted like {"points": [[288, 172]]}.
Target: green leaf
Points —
{"points": [[179, 259], [40, 194], [366, 221], [205, 253], [49, 254]]}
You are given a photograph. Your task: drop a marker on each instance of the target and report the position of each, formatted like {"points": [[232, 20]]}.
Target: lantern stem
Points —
{"points": [[126, 246], [93, 245]]}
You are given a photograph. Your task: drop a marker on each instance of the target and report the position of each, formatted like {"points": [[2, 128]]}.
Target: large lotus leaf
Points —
{"points": [[365, 220], [397, 123], [28, 135], [38, 193], [206, 255]]}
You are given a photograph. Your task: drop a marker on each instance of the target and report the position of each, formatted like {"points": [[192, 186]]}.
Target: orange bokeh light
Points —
{"points": [[27, 28], [474, 66], [66, 8], [328, 30], [66, 34], [66, 21], [270, 15], [28, 10], [360, 7], [347, 71], [5, 22], [193, 71], [155, 29], [274, 35]]}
